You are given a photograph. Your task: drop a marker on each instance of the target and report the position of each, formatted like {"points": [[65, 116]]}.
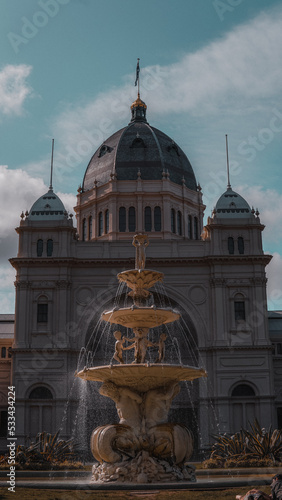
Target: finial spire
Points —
{"points": [[227, 161], [51, 174]]}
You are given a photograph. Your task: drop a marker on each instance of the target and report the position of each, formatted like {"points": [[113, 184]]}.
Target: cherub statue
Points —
{"points": [[119, 346], [140, 343], [161, 346]]}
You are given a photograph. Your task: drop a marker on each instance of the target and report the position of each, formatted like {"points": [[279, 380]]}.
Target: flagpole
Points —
{"points": [[227, 161], [138, 77]]}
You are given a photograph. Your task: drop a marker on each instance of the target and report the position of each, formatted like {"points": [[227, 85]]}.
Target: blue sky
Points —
{"points": [[207, 68]]}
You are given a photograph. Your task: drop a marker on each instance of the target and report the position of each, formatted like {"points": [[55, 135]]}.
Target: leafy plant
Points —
{"points": [[257, 445], [47, 451]]}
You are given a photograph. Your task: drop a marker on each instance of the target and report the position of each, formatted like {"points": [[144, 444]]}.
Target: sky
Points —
{"points": [[208, 68]]}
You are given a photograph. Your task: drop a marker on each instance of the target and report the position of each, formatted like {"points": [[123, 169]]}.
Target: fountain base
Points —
{"points": [[142, 469]]}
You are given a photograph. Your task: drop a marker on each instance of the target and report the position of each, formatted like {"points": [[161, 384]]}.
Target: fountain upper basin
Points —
{"points": [[142, 377], [140, 317]]}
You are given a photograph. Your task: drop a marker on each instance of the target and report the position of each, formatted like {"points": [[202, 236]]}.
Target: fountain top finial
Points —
{"points": [[140, 242]]}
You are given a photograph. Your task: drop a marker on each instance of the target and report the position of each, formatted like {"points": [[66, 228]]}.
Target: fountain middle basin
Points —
{"points": [[142, 377]]}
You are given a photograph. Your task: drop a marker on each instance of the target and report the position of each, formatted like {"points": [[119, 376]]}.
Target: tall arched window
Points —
{"points": [[100, 224], [230, 245], [172, 216], [107, 221], [49, 248], [239, 307], [179, 222], [122, 219], [241, 245], [157, 219], [40, 410], [39, 248], [84, 230], [90, 228], [148, 219], [196, 228], [243, 406], [3, 352], [190, 228], [131, 219]]}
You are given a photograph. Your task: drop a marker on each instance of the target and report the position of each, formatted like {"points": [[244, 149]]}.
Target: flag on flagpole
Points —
{"points": [[137, 72]]}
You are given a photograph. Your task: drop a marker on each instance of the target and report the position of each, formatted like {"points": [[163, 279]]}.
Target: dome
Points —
{"points": [[232, 205], [47, 207], [139, 148]]}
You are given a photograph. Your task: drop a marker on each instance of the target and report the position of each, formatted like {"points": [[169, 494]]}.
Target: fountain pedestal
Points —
{"points": [[143, 447]]}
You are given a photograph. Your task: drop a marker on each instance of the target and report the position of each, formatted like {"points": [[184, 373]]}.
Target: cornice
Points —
{"points": [[236, 348], [160, 261], [44, 350]]}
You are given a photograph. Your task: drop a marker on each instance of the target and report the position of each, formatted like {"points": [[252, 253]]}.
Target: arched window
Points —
{"points": [[40, 411], [172, 216], [243, 406], [41, 393], [84, 230], [3, 352], [90, 227], [196, 228], [148, 219], [190, 228], [157, 219], [39, 248], [122, 220], [241, 245], [239, 307], [242, 390], [9, 352], [179, 222], [3, 422], [230, 245], [100, 224], [131, 219], [49, 248], [42, 313], [107, 220]]}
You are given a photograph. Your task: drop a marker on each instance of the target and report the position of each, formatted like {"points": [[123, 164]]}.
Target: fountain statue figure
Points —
{"points": [[143, 447]]}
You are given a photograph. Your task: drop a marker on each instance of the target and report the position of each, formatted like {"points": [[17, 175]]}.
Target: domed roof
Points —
{"points": [[232, 205], [47, 207], [139, 148]]}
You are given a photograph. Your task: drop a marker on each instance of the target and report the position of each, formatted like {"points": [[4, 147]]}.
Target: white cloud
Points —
{"points": [[7, 292], [269, 204], [14, 88], [18, 191], [274, 285]]}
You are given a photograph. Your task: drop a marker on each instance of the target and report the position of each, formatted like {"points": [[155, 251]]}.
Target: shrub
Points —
{"points": [[258, 447]]}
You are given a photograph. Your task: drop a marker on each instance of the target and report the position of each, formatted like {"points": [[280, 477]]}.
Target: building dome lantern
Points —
{"points": [[138, 110]]}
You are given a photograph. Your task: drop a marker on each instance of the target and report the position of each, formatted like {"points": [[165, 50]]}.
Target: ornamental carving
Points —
{"points": [[258, 281], [218, 282], [63, 284], [23, 284]]}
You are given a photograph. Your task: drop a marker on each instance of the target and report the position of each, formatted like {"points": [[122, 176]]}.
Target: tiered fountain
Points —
{"points": [[143, 447]]}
